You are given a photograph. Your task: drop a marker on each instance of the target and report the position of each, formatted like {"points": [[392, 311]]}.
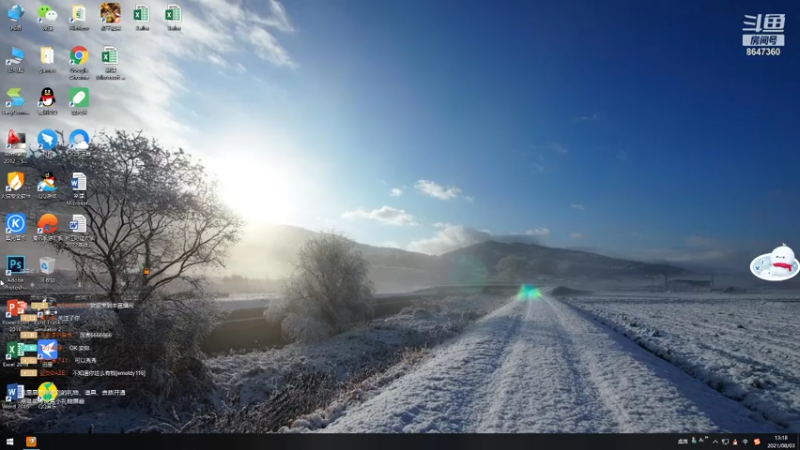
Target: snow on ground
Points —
{"points": [[541, 366], [747, 348], [253, 377], [236, 302]]}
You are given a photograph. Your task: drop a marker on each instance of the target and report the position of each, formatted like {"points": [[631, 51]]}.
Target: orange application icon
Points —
{"points": [[757, 441], [48, 224], [15, 181], [30, 441]]}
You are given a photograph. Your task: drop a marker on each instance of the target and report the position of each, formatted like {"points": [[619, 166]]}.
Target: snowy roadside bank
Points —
{"points": [[263, 391], [745, 348]]}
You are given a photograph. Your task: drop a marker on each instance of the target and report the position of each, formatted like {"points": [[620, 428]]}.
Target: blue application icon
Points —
{"points": [[15, 391], [17, 56], [16, 12], [48, 139], [47, 349], [16, 223], [15, 264], [79, 140]]}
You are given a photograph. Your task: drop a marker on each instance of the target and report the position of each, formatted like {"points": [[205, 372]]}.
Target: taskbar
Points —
{"points": [[156, 441]]}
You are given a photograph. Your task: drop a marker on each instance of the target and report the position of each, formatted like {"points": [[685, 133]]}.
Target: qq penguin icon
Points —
{"points": [[780, 265]]}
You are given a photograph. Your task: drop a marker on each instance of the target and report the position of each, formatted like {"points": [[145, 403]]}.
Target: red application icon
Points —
{"points": [[15, 307], [48, 224], [13, 138]]}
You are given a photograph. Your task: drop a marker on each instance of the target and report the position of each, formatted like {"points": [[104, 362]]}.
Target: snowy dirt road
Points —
{"points": [[541, 366]]}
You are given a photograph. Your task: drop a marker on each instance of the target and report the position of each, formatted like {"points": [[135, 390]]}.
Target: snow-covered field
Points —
{"points": [[236, 302], [542, 366], [746, 348]]}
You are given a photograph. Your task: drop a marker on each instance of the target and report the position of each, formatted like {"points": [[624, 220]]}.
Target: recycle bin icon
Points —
{"points": [[47, 265]]}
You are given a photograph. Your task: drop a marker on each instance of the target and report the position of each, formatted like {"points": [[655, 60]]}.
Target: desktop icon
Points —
{"points": [[756, 441], [15, 264], [110, 55], [14, 392], [78, 223], [141, 13], [79, 97], [17, 56], [48, 98], [16, 223], [48, 55], [48, 392], [48, 139], [15, 181], [30, 441], [111, 13], [16, 99], [47, 265], [48, 224], [16, 12], [47, 349], [48, 183], [15, 307], [78, 181], [173, 13], [16, 141], [47, 13], [79, 140], [78, 14], [78, 55]]}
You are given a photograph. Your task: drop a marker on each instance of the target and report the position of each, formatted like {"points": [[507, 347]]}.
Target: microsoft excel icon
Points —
{"points": [[141, 13], [173, 13]]}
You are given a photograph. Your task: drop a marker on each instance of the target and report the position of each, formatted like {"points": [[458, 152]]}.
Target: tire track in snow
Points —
{"points": [[539, 386], [541, 366]]}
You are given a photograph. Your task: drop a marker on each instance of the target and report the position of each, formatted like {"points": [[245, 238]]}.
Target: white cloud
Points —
{"points": [[435, 190], [577, 236], [396, 192], [450, 237], [577, 206], [268, 48], [538, 232], [386, 214], [469, 198], [279, 19]]}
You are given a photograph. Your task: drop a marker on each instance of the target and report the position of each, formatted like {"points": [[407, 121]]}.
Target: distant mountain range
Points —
{"points": [[273, 247]]}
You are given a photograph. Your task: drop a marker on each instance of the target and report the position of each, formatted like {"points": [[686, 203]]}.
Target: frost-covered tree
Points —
{"points": [[328, 292]]}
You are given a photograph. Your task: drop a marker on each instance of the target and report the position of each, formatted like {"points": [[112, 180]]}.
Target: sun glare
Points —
{"points": [[264, 194]]}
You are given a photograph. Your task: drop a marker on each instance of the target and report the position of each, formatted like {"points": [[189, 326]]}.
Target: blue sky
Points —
{"points": [[638, 129]]}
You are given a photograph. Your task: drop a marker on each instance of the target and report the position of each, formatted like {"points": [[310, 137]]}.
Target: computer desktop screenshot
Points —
{"points": [[430, 224]]}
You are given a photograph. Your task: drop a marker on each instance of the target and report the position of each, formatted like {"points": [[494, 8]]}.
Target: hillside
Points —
{"points": [[270, 249], [558, 261]]}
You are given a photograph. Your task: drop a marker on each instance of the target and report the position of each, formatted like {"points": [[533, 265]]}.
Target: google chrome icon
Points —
{"points": [[78, 55]]}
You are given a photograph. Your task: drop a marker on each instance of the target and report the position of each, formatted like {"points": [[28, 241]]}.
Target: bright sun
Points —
{"points": [[263, 198]]}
